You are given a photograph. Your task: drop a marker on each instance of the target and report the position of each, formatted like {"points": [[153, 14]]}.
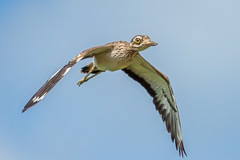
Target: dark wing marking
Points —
{"points": [[158, 86], [52, 81]]}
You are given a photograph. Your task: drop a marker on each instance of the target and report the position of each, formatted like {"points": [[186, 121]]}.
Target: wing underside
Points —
{"points": [[158, 86]]}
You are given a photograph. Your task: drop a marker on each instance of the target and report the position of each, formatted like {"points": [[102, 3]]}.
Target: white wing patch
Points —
{"points": [[66, 71], [37, 99], [54, 74]]}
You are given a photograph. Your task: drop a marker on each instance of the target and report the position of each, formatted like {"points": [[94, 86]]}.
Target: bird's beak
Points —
{"points": [[150, 43]]}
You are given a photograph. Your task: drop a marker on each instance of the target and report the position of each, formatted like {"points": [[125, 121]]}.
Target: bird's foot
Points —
{"points": [[81, 81]]}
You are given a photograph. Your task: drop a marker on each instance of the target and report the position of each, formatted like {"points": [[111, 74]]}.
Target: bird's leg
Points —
{"points": [[85, 79], [93, 75]]}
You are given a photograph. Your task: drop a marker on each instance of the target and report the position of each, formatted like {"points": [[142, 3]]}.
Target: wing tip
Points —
{"points": [[27, 106], [31, 103], [181, 149]]}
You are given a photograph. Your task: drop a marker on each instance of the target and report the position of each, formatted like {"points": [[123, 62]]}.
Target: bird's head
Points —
{"points": [[141, 42]]}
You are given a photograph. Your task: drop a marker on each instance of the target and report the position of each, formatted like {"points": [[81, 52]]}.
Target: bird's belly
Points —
{"points": [[112, 63]]}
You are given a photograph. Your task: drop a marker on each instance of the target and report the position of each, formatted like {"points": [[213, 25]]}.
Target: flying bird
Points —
{"points": [[122, 55]]}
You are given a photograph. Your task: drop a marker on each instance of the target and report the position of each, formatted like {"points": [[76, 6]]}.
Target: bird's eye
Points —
{"points": [[138, 40]]}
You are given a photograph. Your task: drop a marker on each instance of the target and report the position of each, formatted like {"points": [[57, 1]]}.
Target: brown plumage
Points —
{"points": [[122, 55]]}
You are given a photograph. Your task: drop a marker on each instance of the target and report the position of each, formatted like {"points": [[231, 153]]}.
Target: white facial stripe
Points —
{"points": [[140, 37], [136, 45]]}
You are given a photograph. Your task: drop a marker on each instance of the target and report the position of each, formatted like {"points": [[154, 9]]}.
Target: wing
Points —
{"points": [[52, 81], [158, 86]]}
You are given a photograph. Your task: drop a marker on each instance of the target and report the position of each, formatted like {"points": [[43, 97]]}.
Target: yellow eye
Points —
{"points": [[138, 40]]}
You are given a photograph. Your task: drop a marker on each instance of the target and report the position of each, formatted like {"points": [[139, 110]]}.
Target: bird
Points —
{"points": [[122, 55]]}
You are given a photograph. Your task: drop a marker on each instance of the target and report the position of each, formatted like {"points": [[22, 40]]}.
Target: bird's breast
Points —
{"points": [[117, 59]]}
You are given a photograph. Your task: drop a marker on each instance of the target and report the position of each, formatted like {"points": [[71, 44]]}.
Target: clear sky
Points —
{"points": [[112, 117]]}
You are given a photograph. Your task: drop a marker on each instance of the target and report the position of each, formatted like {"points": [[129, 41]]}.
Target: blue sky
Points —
{"points": [[111, 116]]}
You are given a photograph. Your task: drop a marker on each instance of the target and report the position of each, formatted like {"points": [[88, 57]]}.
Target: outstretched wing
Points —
{"points": [[158, 86], [52, 81]]}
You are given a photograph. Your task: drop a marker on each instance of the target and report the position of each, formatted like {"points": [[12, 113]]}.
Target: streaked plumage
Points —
{"points": [[125, 56]]}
